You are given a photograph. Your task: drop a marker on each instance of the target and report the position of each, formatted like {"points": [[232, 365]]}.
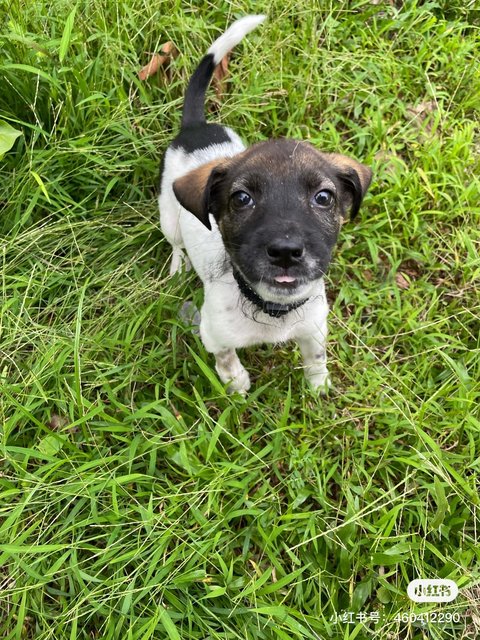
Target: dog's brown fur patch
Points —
{"points": [[344, 163], [189, 189]]}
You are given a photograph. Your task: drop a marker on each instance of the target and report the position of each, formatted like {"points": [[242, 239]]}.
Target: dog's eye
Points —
{"points": [[324, 198], [241, 199]]}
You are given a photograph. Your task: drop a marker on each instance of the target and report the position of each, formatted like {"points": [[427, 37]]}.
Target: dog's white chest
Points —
{"points": [[228, 320]]}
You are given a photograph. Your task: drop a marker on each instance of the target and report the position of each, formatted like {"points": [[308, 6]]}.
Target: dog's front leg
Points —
{"points": [[231, 370], [313, 348]]}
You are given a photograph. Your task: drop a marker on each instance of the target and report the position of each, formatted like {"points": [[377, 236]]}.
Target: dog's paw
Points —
{"points": [[232, 372], [321, 382], [240, 383], [190, 316], [180, 262]]}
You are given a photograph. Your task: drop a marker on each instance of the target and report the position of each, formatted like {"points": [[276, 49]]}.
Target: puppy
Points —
{"points": [[258, 225]]}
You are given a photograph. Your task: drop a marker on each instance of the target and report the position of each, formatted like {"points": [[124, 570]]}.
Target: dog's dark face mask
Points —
{"points": [[279, 206]]}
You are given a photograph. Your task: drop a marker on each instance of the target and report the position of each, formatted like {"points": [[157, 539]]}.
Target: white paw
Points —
{"points": [[179, 262], [232, 371], [240, 383], [320, 382]]}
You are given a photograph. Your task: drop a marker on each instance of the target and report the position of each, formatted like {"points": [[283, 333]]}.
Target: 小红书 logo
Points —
{"points": [[434, 590]]}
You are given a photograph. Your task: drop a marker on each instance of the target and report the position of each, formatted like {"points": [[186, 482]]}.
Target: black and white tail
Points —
{"points": [[194, 106]]}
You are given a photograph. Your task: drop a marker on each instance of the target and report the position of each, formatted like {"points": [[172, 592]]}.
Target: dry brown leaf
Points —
{"points": [[402, 282], [422, 109], [158, 60], [57, 422], [367, 275], [420, 114], [389, 162], [412, 269], [219, 75]]}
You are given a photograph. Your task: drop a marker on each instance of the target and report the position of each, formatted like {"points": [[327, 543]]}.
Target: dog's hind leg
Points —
{"points": [[179, 261], [170, 224]]}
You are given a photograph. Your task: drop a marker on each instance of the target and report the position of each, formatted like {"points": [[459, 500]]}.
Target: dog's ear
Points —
{"points": [[356, 178], [195, 190]]}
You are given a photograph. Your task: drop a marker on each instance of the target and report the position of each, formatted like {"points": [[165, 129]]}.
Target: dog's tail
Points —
{"points": [[194, 106]]}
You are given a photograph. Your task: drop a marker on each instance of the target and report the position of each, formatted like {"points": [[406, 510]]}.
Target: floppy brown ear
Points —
{"points": [[193, 189], [355, 176]]}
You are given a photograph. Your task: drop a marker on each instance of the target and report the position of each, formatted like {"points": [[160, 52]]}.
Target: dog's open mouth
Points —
{"points": [[284, 282], [285, 279], [281, 285], [282, 288]]}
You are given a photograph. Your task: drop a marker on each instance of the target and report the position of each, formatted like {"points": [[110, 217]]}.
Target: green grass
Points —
{"points": [[137, 499]]}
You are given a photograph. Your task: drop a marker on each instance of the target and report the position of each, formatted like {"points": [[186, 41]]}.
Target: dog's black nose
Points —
{"points": [[285, 252]]}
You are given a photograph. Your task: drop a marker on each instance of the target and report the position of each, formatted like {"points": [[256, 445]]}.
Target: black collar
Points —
{"points": [[273, 309]]}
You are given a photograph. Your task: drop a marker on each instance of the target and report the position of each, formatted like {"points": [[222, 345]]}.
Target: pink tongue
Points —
{"points": [[284, 279]]}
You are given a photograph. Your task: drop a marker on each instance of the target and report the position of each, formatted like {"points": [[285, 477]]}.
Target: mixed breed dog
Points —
{"points": [[258, 225]]}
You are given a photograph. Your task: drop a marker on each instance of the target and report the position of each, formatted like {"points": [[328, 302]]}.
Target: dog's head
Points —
{"points": [[279, 206]]}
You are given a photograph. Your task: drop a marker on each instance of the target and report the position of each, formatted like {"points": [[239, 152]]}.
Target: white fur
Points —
{"points": [[176, 226], [233, 35], [228, 321]]}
